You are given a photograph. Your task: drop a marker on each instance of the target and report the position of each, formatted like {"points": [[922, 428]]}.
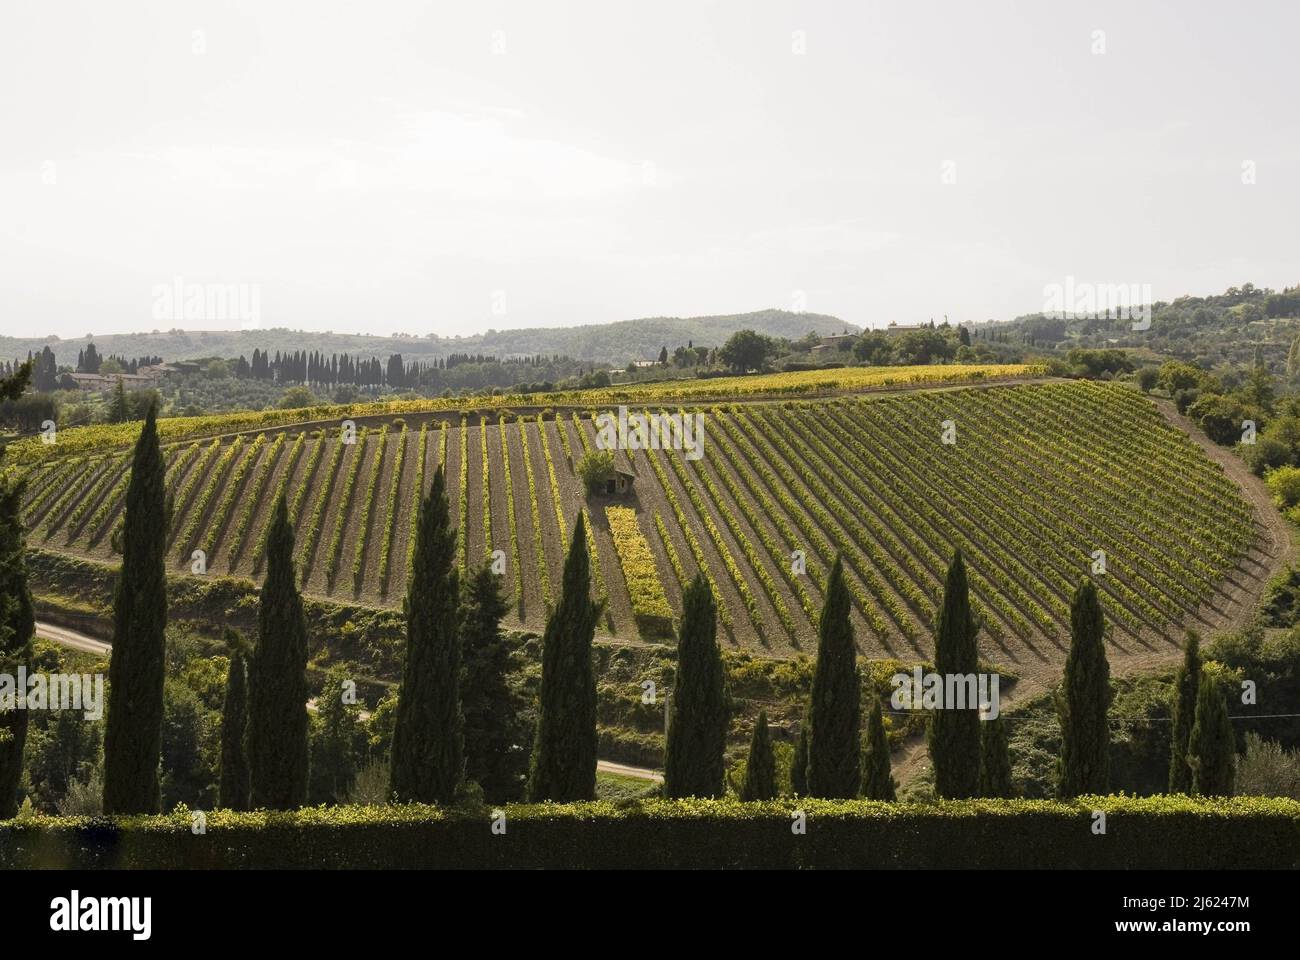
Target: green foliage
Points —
{"points": [[877, 781], [1183, 709], [954, 734], [428, 754], [1267, 770], [697, 731], [133, 734], [497, 730], [799, 765], [835, 711], [995, 759], [187, 773], [338, 741], [1284, 484], [760, 765], [1210, 748], [1148, 833], [746, 350], [17, 627], [277, 703], [1085, 699], [596, 468], [563, 766], [236, 785]]}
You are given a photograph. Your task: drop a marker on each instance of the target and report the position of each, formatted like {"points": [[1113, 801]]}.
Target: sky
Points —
{"points": [[449, 168]]}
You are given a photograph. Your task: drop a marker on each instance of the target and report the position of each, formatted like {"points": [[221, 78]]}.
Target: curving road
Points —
{"points": [[80, 641]]}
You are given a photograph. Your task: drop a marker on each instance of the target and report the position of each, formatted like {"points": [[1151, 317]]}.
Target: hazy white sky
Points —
{"points": [[450, 167]]}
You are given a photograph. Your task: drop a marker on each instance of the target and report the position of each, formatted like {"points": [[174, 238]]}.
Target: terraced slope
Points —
{"points": [[1042, 484]]}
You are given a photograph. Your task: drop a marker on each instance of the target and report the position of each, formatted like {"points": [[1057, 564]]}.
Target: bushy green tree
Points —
{"points": [[1085, 699], [799, 765], [563, 766], [236, 787], [995, 759], [1187, 683], [835, 713], [497, 733], [697, 732], [428, 764], [760, 767], [877, 781], [954, 734], [278, 756], [1212, 751], [17, 627], [187, 776], [337, 740], [133, 732]]}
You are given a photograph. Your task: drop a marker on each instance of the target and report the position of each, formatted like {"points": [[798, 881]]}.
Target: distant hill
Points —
{"points": [[612, 343]]}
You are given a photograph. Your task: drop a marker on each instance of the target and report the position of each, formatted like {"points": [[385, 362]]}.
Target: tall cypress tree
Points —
{"points": [[697, 732], [995, 760], [799, 764], [835, 713], [564, 752], [760, 767], [235, 776], [1085, 736], [133, 734], [1187, 685], [497, 735], [277, 680], [877, 781], [17, 627], [954, 734], [1212, 751], [428, 762]]}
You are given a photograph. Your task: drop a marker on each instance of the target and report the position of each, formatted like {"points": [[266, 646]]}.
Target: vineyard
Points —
{"points": [[1037, 483]]}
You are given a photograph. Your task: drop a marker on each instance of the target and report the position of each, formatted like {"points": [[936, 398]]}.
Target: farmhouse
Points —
{"points": [[620, 482], [836, 342], [904, 327]]}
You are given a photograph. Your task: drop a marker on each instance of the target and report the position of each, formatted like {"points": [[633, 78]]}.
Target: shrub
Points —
{"points": [[1284, 484], [1142, 833], [1266, 770], [596, 468]]}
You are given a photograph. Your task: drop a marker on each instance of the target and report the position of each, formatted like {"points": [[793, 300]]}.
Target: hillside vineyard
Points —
{"points": [[1039, 484]]}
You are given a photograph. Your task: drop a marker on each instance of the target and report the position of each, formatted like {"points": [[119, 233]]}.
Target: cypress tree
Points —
{"points": [[428, 762], [760, 767], [799, 765], [497, 735], [133, 733], [1187, 685], [563, 766], [877, 781], [835, 714], [697, 732], [277, 680], [17, 627], [235, 776], [954, 734], [1085, 736], [1211, 748], [995, 760]]}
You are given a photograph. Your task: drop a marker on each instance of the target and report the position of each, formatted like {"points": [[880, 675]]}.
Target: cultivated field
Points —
{"points": [[1043, 481]]}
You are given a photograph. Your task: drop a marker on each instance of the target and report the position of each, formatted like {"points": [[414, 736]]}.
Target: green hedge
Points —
{"points": [[1153, 832]]}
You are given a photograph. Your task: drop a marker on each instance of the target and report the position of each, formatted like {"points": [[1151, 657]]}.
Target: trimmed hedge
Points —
{"points": [[1160, 832]]}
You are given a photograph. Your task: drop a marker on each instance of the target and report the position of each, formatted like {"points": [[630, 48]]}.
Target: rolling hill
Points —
{"points": [[612, 343], [1045, 480]]}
